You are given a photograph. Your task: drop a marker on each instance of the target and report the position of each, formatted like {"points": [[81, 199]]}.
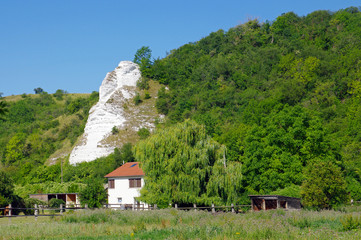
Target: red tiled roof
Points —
{"points": [[128, 169]]}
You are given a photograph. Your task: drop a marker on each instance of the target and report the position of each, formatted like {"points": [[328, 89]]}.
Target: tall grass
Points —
{"points": [[173, 224]]}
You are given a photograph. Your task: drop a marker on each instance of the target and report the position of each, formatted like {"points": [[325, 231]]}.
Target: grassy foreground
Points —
{"points": [[173, 224]]}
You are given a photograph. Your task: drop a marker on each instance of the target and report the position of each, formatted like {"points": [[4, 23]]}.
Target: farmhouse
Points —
{"points": [[70, 199], [267, 202], [124, 185]]}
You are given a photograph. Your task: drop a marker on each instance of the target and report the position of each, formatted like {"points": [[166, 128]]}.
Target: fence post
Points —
{"points": [[195, 207], [61, 209], [155, 207], [10, 211], [176, 206], [36, 211], [86, 206], [213, 209], [232, 206]]}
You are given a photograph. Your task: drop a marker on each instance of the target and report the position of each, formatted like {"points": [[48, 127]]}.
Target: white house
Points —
{"points": [[124, 185]]}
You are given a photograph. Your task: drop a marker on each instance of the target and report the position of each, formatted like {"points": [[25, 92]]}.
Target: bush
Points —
{"points": [[115, 130], [350, 222], [147, 95], [143, 133], [30, 203], [143, 83], [55, 203], [137, 99]]}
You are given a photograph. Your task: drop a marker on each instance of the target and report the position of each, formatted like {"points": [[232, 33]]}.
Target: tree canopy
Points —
{"points": [[324, 186], [183, 165], [279, 95]]}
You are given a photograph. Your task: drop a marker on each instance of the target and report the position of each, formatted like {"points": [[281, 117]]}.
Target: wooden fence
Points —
{"points": [[40, 211]]}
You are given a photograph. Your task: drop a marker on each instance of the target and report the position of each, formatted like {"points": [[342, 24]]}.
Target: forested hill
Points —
{"points": [[263, 108], [282, 96]]}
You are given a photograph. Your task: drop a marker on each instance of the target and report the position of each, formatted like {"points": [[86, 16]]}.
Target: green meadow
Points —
{"points": [[174, 224]]}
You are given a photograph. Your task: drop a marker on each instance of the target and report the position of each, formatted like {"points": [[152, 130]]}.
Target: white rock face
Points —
{"points": [[117, 87]]}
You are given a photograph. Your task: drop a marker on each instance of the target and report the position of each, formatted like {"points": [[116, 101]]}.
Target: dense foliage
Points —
{"points": [[93, 194], [37, 126], [6, 189], [279, 95], [267, 102], [324, 186], [183, 165]]}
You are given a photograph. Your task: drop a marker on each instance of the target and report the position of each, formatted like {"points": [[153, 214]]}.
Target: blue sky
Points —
{"points": [[72, 44]]}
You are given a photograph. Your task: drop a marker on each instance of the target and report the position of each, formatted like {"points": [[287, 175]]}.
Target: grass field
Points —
{"points": [[173, 224]]}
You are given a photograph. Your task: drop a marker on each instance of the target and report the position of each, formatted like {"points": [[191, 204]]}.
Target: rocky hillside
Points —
{"points": [[39, 131], [114, 120]]}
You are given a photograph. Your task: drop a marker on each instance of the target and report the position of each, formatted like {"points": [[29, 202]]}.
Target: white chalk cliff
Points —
{"points": [[116, 89]]}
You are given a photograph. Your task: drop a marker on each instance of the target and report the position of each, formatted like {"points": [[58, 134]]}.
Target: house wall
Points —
{"points": [[42, 197], [121, 190]]}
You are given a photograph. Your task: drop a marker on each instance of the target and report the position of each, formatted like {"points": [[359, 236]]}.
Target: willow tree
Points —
{"points": [[183, 165]]}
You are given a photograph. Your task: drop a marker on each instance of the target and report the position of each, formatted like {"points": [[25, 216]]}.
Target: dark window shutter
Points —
{"points": [[111, 183]]}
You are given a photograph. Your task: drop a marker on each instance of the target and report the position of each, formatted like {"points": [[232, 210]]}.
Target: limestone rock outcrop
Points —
{"points": [[117, 88]]}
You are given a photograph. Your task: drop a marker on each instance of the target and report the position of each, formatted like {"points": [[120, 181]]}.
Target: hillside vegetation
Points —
{"points": [[36, 127], [269, 108], [39, 131], [282, 96]]}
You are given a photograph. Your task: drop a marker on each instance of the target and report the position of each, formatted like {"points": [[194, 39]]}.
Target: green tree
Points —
{"points": [[15, 148], [6, 189], [93, 194], [38, 90], [59, 94], [183, 165], [143, 58], [277, 149], [125, 154], [324, 186], [3, 109]]}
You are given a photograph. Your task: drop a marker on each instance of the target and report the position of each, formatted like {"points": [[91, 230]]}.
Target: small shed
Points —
{"points": [[68, 198], [267, 202]]}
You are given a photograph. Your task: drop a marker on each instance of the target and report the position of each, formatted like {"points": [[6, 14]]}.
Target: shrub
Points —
{"points": [[137, 99], [143, 83], [146, 95], [143, 133], [30, 203], [350, 222], [55, 202], [115, 130]]}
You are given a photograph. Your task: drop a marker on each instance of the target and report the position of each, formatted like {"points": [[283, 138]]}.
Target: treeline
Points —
{"points": [[35, 127], [263, 108], [282, 96]]}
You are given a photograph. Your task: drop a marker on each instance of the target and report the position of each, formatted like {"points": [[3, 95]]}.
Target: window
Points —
{"points": [[135, 183], [120, 200], [111, 183]]}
